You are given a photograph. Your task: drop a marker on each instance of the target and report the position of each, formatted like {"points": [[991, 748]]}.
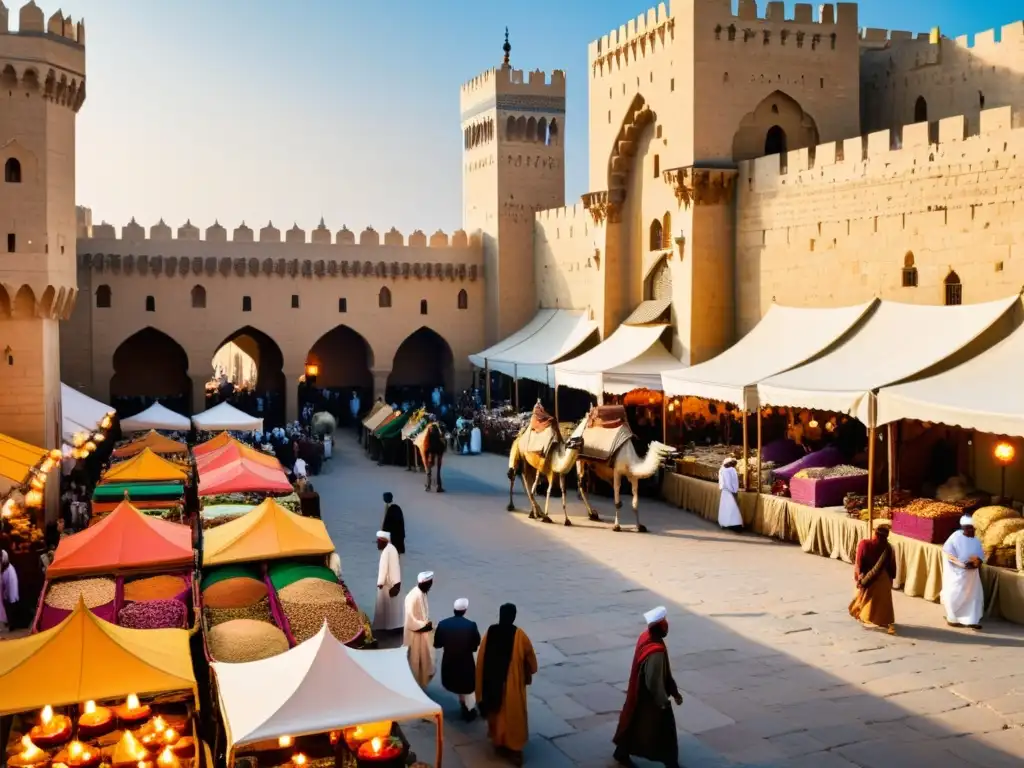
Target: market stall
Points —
{"points": [[244, 476], [632, 357], [88, 692], [321, 700], [154, 483], [155, 442], [24, 472], [268, 584], [156, 417], [231, 452], [130, 569], [225, 417]]}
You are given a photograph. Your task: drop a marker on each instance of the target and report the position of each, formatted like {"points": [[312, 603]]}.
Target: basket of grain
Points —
{"points": [[242, 640], [233, 587], [996, 537], [308, 603], [62, 597], [986, 516]]}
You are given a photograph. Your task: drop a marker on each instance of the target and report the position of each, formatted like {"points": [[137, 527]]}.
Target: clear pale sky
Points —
{"points": [[287, 110]]}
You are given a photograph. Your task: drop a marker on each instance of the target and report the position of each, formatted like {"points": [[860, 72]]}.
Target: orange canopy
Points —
{"points": [[153, 440], [87, 659], [213, 444], [124, 540], [144, 467], [230, 453], [241, 476], [268, 532]]}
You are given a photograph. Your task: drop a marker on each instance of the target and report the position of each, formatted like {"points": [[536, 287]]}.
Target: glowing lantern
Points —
{"points": [[1004, 453], [284, 741]]}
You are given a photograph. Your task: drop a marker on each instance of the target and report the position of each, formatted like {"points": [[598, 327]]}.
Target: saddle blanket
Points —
{"points": [[377, 408], [379, 418], [412, 427], [538, 442], [600, 443]]}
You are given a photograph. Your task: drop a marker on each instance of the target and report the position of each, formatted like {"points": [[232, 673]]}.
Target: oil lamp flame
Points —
{"points": [[46, 715], [159, 725], [284, 741], [30, 750], [132, 702], [75, 750], [90, 707], [299, 759], [376, 744]]}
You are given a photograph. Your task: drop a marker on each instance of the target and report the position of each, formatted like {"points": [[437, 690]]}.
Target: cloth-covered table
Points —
{"points": [[830, 532]]}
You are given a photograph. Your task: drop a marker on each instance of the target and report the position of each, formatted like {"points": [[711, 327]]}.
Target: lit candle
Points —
{"points": [[284, 741], [299, 759], [170, 736], [132, 702], [75, 749], [90, 707], [159, 726], [375, 745], [31, 752], [46, 716], [167, 759]]}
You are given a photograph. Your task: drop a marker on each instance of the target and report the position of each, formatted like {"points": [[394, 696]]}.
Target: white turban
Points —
{"points": [[462, 604], [966, 520], [655, 615], [425, 576], [384, 535]]}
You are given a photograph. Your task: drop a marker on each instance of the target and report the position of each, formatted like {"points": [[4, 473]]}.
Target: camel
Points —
{"points": [[614, 458], [539, 451], [412, 429], [431, 445]]}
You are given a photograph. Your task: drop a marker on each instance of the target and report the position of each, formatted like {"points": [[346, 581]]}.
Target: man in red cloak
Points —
{"points": [[647, 726]]}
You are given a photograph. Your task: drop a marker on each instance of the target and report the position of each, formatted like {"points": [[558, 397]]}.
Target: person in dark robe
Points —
{"points": [[874, 572], [647, 725], [458, 638], [394, 522], [505, 665]]}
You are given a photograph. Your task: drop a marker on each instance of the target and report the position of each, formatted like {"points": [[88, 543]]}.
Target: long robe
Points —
{"points": [[647, 725], [509, 726], [872, 603], [394, 523], [728, 510], [420, 644], [388, 612], [962, 595], [459, 638]]}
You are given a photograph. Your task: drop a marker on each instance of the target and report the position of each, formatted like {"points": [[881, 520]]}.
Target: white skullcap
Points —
{"points": [[462, 604], [965, 521], [655, 615], [384, 535], [424, 576]]}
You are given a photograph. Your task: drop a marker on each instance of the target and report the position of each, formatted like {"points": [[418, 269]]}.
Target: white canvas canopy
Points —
{"points": [[529, 353], [785, 338], [983, 393], [631, 358], [155, 417], [80, 414], [225, 417], [895, 342], [319, 685]]}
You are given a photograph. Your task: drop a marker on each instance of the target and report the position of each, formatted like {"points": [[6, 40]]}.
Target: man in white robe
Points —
{"points": [[962, 595], [728, 504], [387, 613], [419, 629]]}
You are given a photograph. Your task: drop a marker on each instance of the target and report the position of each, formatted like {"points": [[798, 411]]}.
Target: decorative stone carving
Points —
{"points": [[405, 269], [604, 206], [128, 265], [279, 267], [332, 268], [393, 270], [381, 269], [157, 265], [367, 268], [344, 268], [449, 271], [183, 267], [268, 266], [461, 272], [307, 268], [142, 264], [472, 272], [254, 266], [115, 264], [225, 266], [701, 186], [319, 268], [417, 270], [240, 267]]}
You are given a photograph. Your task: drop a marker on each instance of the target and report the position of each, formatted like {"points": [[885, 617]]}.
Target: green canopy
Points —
{"points": [[239, 571], [139, 491], [284, 574], [394, 427]]}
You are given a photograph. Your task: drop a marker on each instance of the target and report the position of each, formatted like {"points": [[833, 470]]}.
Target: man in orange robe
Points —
{"points": [[874, 572], [505, 665]]}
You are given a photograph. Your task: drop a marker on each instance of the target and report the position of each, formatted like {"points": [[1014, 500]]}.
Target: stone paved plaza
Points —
{"points": [[774, 672]]}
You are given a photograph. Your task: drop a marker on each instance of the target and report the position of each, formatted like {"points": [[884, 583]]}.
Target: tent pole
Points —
{"points": [[746, 452], [891, 437], [487, 383], [515, 374], [871, 479], [440, 741], [758, 488], [556, 404], [664, 419]]}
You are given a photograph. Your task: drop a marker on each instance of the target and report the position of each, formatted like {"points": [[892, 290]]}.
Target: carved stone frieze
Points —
{"points": [[604, 206], [224, 265], [701, 186], [254, 266]]}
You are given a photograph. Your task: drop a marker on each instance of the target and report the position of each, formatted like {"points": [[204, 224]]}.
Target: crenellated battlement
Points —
{"points": [[505, 81], [645, 34], [877, 155], [32, 22], [133, 232], [566, 213], [872, 37]]}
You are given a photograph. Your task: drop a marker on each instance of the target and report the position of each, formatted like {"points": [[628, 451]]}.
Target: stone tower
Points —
{"points": [[512, 166], [42, 87]]}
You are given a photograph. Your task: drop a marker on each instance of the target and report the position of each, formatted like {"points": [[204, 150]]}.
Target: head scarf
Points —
{"points": [[501, 639]]}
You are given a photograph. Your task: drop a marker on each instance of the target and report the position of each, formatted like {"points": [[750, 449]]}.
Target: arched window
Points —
{"points": [[198, 297], [384, 298], [954, 290], [553, 132], [12, 171], [909, 271], [150, 304], [655, 244], [666, 230], [103, 297], [247, 303], [775, 141], [531, 129], [542, 130], [510, 130], [920, 110], [463, 299]]}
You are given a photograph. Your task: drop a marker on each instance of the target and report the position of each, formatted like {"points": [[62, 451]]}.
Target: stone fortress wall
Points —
{"points": [[566, 260]]}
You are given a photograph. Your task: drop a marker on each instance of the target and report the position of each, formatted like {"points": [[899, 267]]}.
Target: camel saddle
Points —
{"points": [[604, 431], [542, 433], [413, 426]]}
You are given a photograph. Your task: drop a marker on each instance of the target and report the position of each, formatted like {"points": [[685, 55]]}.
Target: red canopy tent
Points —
{"points": [[213, 444], [242, 476], [230, 453], [124, 540]]}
